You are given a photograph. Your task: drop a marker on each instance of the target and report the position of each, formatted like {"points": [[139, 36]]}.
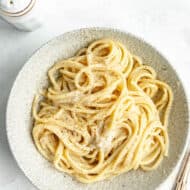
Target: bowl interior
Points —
{"points": [[33, 76]]}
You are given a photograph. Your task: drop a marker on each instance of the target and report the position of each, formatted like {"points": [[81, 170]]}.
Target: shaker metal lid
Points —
{"points": [[19, 13], [14, 6]]}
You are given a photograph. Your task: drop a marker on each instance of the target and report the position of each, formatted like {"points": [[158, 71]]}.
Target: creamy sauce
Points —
{"points": [[105, 141]]}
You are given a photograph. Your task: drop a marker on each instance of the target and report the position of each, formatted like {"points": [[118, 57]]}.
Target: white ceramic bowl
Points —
{"points": [[33, 76]]}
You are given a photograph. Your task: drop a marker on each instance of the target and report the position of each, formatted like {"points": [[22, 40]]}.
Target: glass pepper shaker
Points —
{"points": [[23, 14]]}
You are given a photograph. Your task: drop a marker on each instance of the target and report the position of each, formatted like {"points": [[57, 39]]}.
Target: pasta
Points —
{"points": [[104, 113]]}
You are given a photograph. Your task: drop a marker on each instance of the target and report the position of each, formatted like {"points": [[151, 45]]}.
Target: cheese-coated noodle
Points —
{"points": [[103, 113]]}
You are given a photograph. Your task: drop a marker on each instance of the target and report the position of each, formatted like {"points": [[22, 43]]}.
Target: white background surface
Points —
{"points": [[163, 23]]}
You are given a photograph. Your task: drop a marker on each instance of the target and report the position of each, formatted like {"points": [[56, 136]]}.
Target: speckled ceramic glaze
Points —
{"points": [[33, 76]]}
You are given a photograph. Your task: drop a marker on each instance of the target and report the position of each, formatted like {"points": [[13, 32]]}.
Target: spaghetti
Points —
{"points": [[104, 113]]}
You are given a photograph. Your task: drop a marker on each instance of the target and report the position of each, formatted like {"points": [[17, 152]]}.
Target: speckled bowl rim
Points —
{"points": [[182, 151]]}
